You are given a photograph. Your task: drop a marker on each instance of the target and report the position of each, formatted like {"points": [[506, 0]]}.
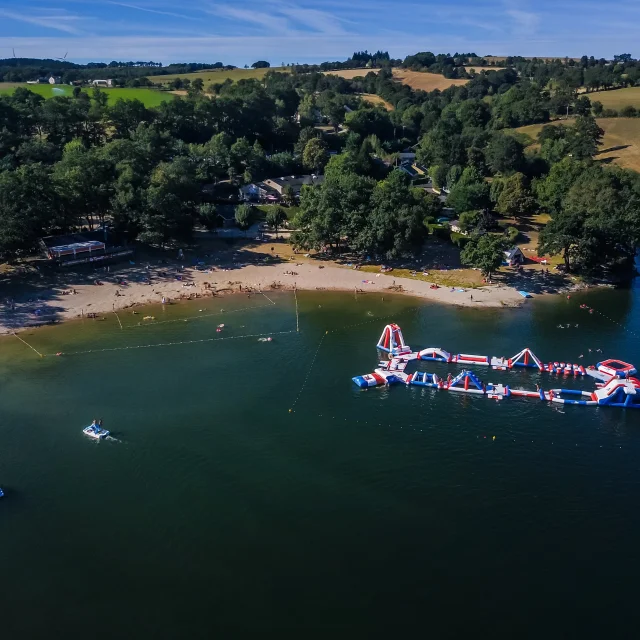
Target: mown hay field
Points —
{"points": [[415, 79], [350, 74], [620, 143], [376, 101], [210, 76], [480, 69], [426, 81], [617, 98]]}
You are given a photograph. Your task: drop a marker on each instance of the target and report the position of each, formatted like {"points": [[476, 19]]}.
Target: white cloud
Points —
{"points": [[320, 21], [525, 21], [283, 18], [266, 20], [149, 10], [56, 21]]}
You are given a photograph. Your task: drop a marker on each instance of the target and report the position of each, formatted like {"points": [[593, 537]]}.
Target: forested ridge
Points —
{"points": [[66, 163]]}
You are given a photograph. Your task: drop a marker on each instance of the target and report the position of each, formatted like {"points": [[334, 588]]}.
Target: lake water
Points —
{"points": [[216, 510]]}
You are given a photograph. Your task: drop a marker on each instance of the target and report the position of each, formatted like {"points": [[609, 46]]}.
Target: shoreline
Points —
{"points": [[125, 289]]}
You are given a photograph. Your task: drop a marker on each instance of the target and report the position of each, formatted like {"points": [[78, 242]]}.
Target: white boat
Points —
{"points": [[95, 432]]}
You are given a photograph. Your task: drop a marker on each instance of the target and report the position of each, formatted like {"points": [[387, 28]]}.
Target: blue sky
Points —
{"points": [[312, 30]]}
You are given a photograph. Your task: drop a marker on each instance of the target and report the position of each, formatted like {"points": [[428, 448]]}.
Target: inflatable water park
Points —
{"points": [[615, 384]]}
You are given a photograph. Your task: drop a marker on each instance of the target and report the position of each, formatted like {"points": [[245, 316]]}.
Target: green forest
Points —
{"points": [[68, 163]]}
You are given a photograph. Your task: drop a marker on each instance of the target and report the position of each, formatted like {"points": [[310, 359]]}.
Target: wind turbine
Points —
{"points": [[63, 58]]}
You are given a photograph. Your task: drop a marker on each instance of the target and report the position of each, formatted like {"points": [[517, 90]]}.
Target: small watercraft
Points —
{"points": [[1, 493], [269, 339], [95, 431]]}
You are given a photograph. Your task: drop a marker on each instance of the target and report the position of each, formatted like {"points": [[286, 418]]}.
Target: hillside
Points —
{"points": [[415, 79], [500, 59], [617, 98], [149, 97], [620, 145], [375, 100], [218, 75], [425, 81]]}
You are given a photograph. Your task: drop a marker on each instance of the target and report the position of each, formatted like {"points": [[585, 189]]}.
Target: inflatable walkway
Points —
{"points": [[616, 387]]}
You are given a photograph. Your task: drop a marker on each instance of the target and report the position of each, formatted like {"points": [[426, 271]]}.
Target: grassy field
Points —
{"points": [[618, 98], [467, 278], [350, 74], [425, 81], [415, 79], [218, 75], [620, 144], [149, 97], [290, 212], [375, 100], [480, 69]]}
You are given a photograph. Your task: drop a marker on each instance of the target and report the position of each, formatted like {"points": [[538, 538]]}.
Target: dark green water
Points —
{"points": [[218, 513]]}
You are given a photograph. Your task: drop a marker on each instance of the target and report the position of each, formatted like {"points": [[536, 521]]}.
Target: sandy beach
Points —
{"points": [[144, 285]]}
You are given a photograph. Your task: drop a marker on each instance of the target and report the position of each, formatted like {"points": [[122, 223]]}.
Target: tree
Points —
{"points": [[261, 64], [515, 199], [28, 209], [551, 191], [560, 236], [586, 138], [306, 134], [288, 195], [438, 174], [208, 216], [83, 180], [99, 97], [315, 155], [476, 160], [126, 115], [170, 207], [367, 122], [484, 252], [307, 110], [338, 210], [243, 216], [453, 175], [397, 214], [275, 217], [504, 154], [197, 85], [470, 193], [469, 220], [582, 106]]}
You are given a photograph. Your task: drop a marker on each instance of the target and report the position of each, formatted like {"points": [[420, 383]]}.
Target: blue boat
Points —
{"points": [[95, 431], [1, 493], [524, 294]]}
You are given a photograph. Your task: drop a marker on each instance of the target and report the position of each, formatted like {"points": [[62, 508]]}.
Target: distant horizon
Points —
{"points": [[278, 65], [311, 31]]}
